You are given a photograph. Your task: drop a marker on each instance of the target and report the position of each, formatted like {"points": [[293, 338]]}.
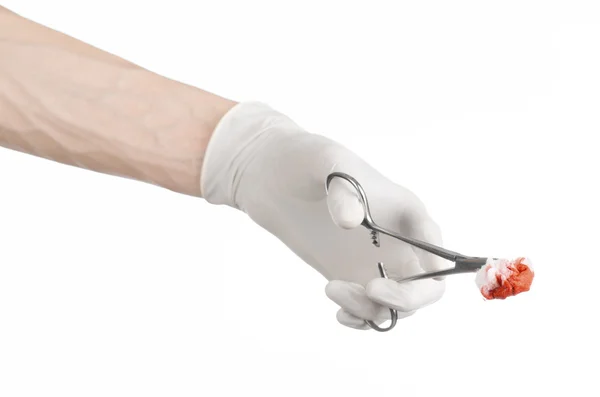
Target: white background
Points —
{"points": [[489, 111]]}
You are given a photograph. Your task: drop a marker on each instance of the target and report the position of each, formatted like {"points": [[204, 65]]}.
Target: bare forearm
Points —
{"points": [[67, 101]]}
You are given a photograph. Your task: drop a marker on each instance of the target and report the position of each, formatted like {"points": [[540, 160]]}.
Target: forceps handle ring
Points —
{"points": [[393, 313], [370, 224]]}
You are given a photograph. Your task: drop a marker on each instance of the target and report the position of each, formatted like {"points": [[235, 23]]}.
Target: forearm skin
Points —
{"points": [[69, 102]]}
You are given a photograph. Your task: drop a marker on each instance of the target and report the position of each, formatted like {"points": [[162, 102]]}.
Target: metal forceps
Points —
{"points": [[463, 263]]}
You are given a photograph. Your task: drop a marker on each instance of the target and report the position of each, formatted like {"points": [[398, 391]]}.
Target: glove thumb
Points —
{"points": [[344, 204]]}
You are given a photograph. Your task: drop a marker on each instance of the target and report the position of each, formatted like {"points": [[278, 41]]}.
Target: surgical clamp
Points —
{"points": [[463, 263]]}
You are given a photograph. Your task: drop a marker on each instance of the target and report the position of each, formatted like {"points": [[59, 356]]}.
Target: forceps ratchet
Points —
{"points": [[463, 263]]}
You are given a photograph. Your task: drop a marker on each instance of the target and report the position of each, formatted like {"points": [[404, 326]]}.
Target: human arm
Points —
{"points": [[67, 101]]}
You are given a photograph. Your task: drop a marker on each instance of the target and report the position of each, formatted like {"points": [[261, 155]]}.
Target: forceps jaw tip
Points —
{"points": [[470, 263]]}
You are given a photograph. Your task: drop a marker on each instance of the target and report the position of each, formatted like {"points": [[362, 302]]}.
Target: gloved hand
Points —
{"points": [[260, 162]]}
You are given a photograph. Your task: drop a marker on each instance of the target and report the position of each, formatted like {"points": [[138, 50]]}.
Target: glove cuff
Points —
{"points": [[235, 142]]}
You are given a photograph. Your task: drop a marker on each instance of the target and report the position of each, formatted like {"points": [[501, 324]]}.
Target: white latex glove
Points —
{"points": [[262, 163]]}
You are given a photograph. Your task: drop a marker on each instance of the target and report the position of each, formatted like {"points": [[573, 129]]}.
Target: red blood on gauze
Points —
{"points": [[501, 278]]}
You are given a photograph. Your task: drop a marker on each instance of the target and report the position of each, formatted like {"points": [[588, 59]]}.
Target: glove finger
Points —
{"points": [[417, 223], [351, 321], [405, 297], [353, 298], [344, 204]]}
